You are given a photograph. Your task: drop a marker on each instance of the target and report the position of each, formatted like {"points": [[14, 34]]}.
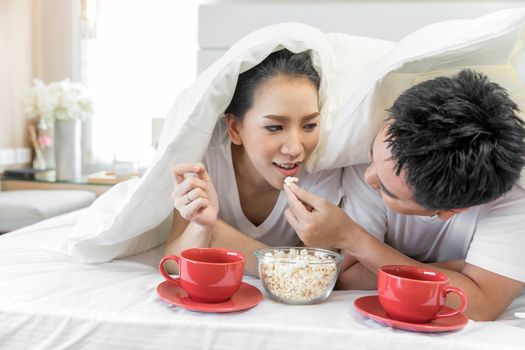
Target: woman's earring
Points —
{"points": [[232, 125]]}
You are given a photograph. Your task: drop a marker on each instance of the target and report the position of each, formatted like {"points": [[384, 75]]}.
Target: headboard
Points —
{"points": [[223, 23]]}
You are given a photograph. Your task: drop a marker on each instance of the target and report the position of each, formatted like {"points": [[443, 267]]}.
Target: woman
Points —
{"points": [[234, 200]]}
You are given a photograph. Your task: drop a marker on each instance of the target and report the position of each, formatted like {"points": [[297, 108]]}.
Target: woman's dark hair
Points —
{"points": [[459, 140], [282, 62]]}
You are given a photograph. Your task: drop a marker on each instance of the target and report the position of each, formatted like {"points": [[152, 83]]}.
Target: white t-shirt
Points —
{"points": [[490, 236], [275, 230]]}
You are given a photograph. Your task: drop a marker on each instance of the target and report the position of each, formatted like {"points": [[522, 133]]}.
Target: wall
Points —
{"points": [[36, 40], [55, 48], [15, 70]]}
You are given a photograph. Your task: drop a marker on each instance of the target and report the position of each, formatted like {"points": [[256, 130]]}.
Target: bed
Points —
{"points": [[49, 301]]}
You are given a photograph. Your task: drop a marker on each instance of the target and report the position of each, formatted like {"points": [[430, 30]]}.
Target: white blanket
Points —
{"points": [[493, 44], [48, 301], [360, 79]]}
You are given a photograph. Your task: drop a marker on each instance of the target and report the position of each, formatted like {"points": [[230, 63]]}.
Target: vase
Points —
{"points": [[68, 149], [45, 133]]}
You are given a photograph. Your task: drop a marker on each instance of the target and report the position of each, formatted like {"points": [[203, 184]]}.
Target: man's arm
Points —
{"points": [[328, 225], [454, 265], [485, 301], [355, 275]]}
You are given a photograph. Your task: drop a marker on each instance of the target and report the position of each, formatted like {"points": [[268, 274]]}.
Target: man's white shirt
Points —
{"points": [[490, 236]]}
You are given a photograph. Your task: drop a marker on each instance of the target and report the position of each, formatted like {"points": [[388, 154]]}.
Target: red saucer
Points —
{"points": [[246, 297], [370, 306]]}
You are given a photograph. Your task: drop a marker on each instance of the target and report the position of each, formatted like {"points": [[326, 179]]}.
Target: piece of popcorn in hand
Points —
{"points": [[290, 179]]}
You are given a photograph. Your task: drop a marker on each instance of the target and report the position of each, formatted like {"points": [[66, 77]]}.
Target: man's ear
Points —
{"points": [[233, 129]]}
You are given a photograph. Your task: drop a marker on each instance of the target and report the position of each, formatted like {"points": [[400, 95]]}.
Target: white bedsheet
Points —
{"points": [[50, 301]]}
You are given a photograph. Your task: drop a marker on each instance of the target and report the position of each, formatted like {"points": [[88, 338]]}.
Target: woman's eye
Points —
{"points": [[273, 128], [311, 126]]}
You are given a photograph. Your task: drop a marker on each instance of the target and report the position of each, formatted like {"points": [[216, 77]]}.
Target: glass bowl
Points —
{"points": [[296, 275]]}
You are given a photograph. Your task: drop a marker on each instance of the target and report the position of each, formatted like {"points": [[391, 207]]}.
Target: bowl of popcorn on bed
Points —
{"points": [[297, 275]]}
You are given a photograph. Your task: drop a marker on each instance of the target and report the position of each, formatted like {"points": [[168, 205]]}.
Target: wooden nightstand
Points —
{"points": [[11, 184]]}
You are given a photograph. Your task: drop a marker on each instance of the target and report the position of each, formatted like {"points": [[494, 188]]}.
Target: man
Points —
{"points": [[440, 191]]}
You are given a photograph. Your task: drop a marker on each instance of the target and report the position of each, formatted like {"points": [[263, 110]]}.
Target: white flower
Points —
{"points": [[63, 100]]}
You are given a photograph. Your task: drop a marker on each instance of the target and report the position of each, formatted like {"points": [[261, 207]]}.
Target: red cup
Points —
{"points": [[414, 294], [208, 275]]}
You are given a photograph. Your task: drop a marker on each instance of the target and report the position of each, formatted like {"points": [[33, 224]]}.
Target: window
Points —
{"points": [[143, 55]]}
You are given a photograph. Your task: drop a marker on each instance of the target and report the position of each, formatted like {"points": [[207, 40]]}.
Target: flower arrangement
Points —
{"points": [[62, 100]]}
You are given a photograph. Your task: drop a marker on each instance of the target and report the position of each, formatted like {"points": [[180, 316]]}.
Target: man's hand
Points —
{"points": [[318, 222]]}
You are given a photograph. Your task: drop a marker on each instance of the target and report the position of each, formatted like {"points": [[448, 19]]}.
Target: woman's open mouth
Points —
{"points": [[288, 169]]}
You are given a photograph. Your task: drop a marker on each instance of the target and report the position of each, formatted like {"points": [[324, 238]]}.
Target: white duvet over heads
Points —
{"points": [[360, 78]]}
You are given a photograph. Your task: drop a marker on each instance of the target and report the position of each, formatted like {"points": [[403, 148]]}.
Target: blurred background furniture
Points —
{"points": [[25, 202], [9, 183], [26, 207]]}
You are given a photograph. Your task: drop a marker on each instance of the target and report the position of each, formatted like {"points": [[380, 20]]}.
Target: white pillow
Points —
{"points": [[493, 44]]}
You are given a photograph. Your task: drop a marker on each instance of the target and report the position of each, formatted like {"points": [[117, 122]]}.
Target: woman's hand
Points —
{"points": [[195, 197]]}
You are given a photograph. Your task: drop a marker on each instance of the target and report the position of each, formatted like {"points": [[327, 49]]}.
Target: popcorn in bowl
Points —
{"points": [[298, 275]]}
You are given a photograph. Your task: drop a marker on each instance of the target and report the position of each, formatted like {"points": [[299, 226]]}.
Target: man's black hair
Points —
{"points": [[458, 139]]}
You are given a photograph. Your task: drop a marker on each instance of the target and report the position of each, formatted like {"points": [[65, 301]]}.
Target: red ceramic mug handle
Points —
{"points": [[163, 271], [460, 309]]}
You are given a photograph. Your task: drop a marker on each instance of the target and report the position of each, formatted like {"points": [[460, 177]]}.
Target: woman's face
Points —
{"points": [[281, 129]]}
